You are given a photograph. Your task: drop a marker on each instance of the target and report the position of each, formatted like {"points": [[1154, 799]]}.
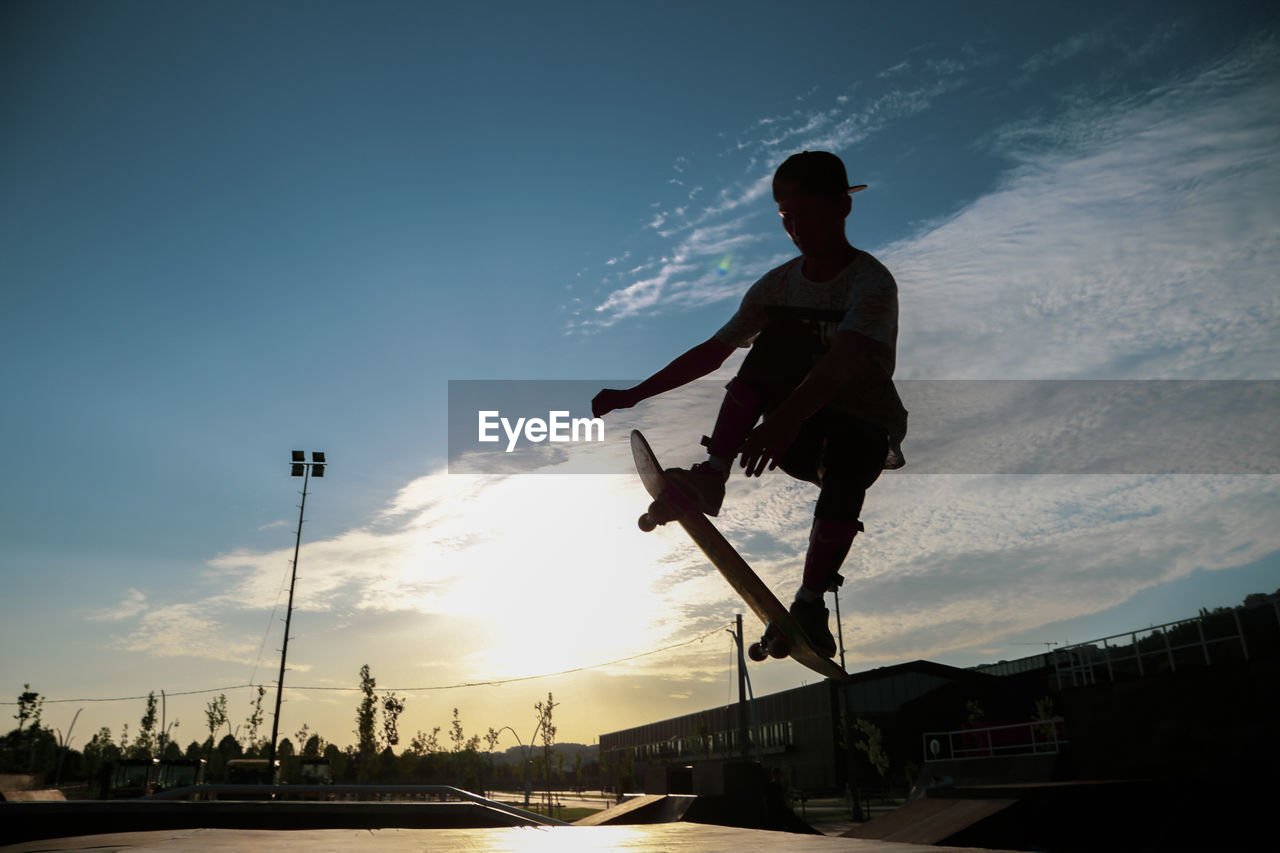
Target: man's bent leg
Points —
{"points": [[738, 415], [705, 481], [851, 459], [829, 543]]}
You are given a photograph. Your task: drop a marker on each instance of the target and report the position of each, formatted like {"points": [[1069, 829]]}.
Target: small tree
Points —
{"points": [[873, 746], [314, 747], [425, 744], [100, 751], [392, 708], [547, 732], [254, 720], [215, 715], [30, 705], [144, 743], [366, 724]]}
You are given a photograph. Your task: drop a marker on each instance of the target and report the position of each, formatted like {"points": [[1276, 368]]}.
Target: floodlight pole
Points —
{"points": [[317, 459]]}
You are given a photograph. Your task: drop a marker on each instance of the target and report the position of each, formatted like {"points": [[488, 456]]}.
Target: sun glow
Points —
{"points": [[563, 578]]}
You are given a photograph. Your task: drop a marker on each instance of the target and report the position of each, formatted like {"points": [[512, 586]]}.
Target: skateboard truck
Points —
{"points": [[660, 512], [773, 644]]}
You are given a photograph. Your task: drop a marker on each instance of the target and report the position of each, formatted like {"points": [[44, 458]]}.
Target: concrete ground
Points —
{"points": [[674, 838]]}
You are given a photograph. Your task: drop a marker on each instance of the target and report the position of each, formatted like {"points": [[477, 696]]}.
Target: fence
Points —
{"points": [[1201, 641], [1038, 737]]}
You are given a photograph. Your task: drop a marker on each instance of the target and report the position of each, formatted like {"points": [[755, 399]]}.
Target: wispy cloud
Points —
{"points": [[1078, 44], [735, 216], [1143, 246], [187, 630], [134, 602]]}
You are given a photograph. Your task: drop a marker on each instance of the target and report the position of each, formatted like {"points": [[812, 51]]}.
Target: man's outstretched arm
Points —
{"points": [[693, 364]]}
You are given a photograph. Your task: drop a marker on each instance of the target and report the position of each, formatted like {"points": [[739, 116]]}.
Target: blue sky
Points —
{"points": [[230, 230]]}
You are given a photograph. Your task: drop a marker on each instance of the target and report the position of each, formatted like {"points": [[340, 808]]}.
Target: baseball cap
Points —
{"points": [[815, 173]]}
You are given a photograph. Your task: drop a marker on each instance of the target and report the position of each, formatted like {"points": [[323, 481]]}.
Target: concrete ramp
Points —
{"points": [[929, 821], [45, 795], [644, 809]]}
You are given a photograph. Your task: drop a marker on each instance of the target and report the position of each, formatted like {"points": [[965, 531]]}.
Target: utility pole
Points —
{"points": [[300, 468], [742, 692]]}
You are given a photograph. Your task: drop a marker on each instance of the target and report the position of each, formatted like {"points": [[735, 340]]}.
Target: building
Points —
{"points": [[1191, 699], [808, 732]]}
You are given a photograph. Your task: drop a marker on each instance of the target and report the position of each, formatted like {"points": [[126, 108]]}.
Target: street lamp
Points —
{"points": [[300, 467]]}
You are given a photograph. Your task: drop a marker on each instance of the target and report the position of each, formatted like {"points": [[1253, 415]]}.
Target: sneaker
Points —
{"points": [[703, 484], [812, 619]]}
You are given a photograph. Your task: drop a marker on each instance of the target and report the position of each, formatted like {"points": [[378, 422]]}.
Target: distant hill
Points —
{"points": [[515, 754]]}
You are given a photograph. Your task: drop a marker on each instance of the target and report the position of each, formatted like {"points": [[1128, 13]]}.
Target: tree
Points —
{"points": [[29, 706], [229, 748], [254, 720], [455, 733], [144, 744], [366, 724], [289, 764], [314, 747], [21, 747], [873, 746], [548, 734], [425, 744], [215, 714], [392, 708]]}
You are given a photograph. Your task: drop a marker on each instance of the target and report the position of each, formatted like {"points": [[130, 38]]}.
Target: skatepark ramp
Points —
{"points": [[642, 809], [267, 807], [1103, 815], [929, 821]]}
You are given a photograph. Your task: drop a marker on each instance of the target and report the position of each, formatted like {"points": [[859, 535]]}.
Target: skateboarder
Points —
{"points": [[823, 331]]}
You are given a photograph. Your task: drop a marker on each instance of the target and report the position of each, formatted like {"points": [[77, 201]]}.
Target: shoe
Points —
{"points": [[812, 619], [703, 484]]}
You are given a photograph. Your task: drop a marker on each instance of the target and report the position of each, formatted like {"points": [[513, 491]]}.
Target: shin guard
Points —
{"points": [[829, 543]]}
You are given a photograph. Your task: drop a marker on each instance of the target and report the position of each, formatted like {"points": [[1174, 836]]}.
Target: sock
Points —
{"points": [[808, 596]]}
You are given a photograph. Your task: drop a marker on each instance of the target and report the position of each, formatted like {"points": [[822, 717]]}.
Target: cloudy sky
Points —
{"points": [[231, 230]]}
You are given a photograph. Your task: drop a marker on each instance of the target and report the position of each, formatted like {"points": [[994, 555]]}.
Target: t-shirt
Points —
{"points": [[863, 298]]}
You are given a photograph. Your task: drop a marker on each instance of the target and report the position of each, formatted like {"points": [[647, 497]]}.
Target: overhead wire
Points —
{"points": [[460, 685]]}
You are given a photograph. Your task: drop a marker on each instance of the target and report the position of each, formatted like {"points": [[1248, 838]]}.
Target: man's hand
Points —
{"points": [[610, 399], [768, 444]]}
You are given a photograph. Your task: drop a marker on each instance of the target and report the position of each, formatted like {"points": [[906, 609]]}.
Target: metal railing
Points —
{"points": [[1036, 737], [348, 793], [1159, 648]]}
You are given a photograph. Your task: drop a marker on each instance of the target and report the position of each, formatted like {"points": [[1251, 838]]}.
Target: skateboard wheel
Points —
{"points": [[778, 649], [756, 652], [646, 523], [661, 512]]}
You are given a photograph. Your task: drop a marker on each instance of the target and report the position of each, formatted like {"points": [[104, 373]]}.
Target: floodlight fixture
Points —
{"points": [[299, 467]]}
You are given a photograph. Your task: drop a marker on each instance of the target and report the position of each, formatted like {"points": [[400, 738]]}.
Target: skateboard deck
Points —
{"points": [[782, 636]]}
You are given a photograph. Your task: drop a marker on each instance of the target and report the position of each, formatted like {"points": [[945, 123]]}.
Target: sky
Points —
{"points": [[231, 230]]}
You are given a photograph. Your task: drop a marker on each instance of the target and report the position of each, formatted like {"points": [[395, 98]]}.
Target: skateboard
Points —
{"points": [[782, 636]]}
